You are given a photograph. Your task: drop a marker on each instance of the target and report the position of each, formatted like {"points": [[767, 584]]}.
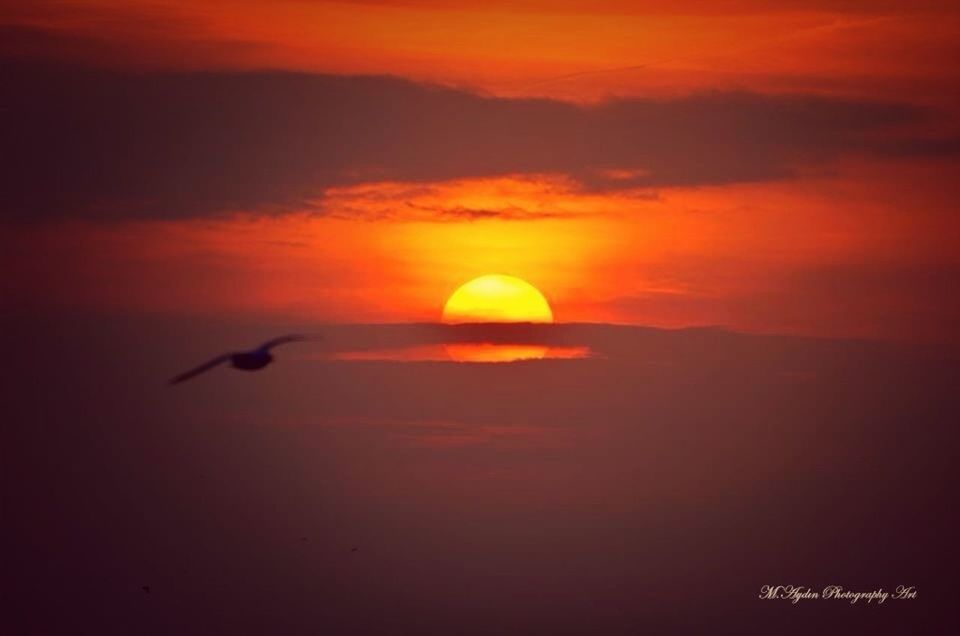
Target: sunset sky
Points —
{"points": [[477, 317], [782, 170]]}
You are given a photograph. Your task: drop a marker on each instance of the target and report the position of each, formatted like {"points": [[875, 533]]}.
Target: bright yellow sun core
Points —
{"points": [[497, 298]]}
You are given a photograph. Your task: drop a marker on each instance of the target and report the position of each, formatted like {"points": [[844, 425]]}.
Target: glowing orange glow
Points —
{"points": [[735, 255], [485, 352], [580, 51], [497, 298], [467, 352]]}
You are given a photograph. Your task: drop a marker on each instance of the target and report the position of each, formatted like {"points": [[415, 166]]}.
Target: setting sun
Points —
{"points": [[497, 298]]}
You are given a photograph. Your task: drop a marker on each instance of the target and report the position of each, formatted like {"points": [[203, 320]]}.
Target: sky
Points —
{"points": [[741, 216], [777, 170]]}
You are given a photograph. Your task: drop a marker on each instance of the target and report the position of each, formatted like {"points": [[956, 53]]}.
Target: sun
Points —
{"points": [[497, 298]]}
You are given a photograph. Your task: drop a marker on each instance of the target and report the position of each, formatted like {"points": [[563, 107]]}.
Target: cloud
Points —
{"points": [[113, 144], [647, 7], [883, 300], [463, 213], [142, 38], [523, 197]]}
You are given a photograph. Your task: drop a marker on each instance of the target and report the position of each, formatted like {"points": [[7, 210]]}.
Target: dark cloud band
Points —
{"points": [[147, 145]]}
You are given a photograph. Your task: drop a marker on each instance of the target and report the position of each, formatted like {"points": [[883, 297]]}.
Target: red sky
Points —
{"points": [[687, 163], [185, 178]]}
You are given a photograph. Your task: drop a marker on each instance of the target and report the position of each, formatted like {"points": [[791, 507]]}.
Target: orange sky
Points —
{"points": [[820, 257], [570, 50], [847, 245]]}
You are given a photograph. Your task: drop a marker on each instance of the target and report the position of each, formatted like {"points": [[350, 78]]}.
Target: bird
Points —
{"points": [[252, 360]]}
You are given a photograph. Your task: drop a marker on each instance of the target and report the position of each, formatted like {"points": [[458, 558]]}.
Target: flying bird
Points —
{"points": [[252, 360]]}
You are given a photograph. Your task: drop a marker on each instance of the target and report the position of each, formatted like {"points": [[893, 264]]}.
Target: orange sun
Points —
{"points": [[497, 298]]}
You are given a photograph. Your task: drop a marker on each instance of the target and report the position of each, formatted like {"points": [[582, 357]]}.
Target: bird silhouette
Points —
{"points": [[252, 360]]}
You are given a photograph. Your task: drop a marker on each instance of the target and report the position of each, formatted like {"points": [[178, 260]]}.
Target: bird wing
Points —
{"points": [[206, 366], [269, 344]]}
